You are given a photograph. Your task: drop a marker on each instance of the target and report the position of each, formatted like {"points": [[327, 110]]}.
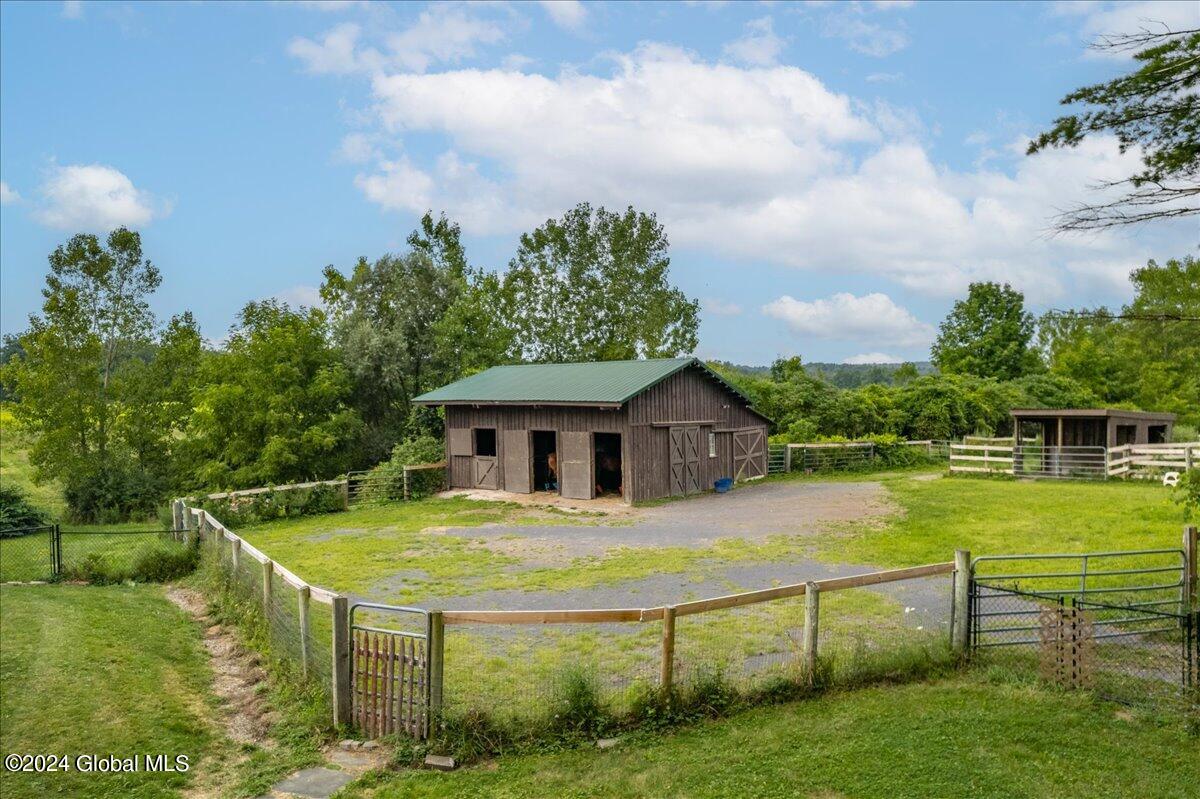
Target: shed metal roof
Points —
{"points": [[603, 383], [1053, 413]]}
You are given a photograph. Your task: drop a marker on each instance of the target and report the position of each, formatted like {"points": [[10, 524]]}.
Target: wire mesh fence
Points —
{"points": [[96, 556], [27, 554], [395, 484]]}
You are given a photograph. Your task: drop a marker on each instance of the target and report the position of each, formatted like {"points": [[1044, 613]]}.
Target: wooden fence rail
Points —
{"points": [[380, 669]]}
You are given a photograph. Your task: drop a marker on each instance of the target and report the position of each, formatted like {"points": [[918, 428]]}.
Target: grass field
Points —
{"points": [[959, 737], [16, 469], [104, 671], [356, 551]]}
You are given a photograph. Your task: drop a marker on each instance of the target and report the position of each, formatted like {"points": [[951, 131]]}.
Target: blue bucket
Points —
{"points": [[723, 485]]}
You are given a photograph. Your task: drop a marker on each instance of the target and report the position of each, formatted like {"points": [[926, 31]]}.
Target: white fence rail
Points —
{"points": [[1139, 461]]}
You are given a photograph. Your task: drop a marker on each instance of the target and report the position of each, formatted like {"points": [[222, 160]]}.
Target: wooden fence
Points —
{"points": [[356, 486], [391, 677], [1141, 461]]}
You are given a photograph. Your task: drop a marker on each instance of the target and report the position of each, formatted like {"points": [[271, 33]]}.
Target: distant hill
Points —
{"points": [[844, 375]]}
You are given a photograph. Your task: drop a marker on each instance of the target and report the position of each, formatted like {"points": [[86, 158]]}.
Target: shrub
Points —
{"points": [[577, 709], [17, 512], [386, 481], [158, 564], [276, 504], [1187, 494], [112, 494]]}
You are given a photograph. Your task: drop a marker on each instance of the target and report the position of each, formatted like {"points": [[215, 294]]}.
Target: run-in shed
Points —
{"points": [[641, 429], [1092, 427]]}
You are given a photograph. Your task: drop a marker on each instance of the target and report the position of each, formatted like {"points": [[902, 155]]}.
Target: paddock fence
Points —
{"points": [[812, 458], [389, 670], [1142, 461]]}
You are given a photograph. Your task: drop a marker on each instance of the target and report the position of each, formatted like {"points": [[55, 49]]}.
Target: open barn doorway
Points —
{"points": [[608, 465], [545, 460]]}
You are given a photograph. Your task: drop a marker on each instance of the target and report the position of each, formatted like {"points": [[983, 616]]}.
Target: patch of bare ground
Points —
{"points": [[241, 712]]}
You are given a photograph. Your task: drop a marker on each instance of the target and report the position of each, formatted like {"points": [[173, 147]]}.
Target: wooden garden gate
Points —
{"points": [[390, 681]]}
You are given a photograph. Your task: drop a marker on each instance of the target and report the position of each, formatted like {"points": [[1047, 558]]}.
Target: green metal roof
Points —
{"points": [[609, 383]]}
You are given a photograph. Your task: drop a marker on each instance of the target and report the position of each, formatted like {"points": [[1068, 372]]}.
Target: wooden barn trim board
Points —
{"points": [[650, 429]]}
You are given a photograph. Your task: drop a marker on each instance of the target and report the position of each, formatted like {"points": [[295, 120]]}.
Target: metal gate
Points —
{"points": [[389, 673], [1124, 630]]}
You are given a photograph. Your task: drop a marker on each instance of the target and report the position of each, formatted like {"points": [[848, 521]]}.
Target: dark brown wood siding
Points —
{"points": [[688, 398]]}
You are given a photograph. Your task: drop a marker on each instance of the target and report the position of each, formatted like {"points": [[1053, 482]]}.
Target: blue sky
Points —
{"points": [[831, 175]]}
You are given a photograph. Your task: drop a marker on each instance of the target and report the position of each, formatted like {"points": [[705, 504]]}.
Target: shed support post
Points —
{"points": [[812, 616], [667, 670], [341, 661], [960, 611]]}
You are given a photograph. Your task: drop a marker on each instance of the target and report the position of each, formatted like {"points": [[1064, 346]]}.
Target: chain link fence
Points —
{"points": [[96, 556]]}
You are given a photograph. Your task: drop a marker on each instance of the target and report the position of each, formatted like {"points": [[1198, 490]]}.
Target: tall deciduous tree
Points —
{"points": [[988, 334], [95, 316], [274, 407], [1155, 108], [593, 285]]}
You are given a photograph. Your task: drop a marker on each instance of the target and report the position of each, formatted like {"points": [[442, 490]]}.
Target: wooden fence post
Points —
{"points": [[177, 514], [960, 613], [812, 617], [1192, 567], [1188, 459], [667, 671], [437, 651], [305, 595], [235, 552], [341, 661], [407, 490], [267, 569], [787, 458]]}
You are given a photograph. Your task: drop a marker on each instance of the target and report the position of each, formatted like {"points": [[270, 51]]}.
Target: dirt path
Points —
{"points": [[242, 714]]}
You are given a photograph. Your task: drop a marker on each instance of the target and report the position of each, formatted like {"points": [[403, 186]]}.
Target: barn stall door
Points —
{"points": [[486, 472], [575, 466], [685, 460], [749, 454], [462, 464], [518, 466]]}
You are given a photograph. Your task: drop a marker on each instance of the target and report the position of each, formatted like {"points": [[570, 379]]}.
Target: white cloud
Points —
{"points": [[873, 357], [719, 307], [763, 164], [884, 77], [758, 45], [8, 194], [872, 317], [440, 34], [1106, 18], [569, 14], [302, 295], [72, 9], [95, 197], [357, 148], [889, 5], [863, 36], [515, 62], [335, 54]]}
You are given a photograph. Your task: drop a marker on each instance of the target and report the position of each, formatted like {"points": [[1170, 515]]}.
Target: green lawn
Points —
{"points": [[961, 737], [992, 517], [106, 671]]}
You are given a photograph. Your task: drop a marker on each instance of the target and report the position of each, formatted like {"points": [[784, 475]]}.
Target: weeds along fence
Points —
{"points": [[389, 670], [52, 553]]}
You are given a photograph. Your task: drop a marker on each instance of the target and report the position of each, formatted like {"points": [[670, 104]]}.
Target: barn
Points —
{"points": [[636, 429]]}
